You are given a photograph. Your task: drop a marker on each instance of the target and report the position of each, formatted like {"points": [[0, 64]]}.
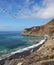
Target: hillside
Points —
{"points": [[43, 56], [46, 29]]}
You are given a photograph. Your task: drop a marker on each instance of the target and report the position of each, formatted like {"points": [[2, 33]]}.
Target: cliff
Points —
{"points": [[46, 29]]}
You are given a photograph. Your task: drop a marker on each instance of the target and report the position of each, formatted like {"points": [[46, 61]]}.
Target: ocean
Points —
{"points": [[11, 41]]}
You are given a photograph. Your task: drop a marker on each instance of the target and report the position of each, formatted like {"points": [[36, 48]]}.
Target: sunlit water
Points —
{"points": [[12, 41]]}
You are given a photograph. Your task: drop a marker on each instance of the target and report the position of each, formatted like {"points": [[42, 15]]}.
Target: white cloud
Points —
{"points": [[38, 11], [46, 10]]}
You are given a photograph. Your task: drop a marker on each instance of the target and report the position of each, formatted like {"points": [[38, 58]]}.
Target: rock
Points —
{"points": [[11, 62], [20, 63]]}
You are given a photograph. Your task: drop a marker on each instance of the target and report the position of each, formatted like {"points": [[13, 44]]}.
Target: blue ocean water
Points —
{"points": [[12, 41]]}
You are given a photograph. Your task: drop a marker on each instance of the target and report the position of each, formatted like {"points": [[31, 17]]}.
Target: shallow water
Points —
{"points": [[12, 41]]}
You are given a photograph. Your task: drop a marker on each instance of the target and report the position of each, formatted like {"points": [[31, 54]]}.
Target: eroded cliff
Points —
{"points": [[46, 29]]}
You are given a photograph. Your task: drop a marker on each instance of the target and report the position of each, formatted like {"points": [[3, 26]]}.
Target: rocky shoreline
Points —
{"points": [[22, 52], [43, 55]]}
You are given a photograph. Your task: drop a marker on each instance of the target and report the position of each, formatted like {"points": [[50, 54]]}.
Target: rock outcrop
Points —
{"points": [[46, 29]]}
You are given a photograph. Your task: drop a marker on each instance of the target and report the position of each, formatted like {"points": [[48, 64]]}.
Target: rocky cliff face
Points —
{"points": [[47, 29]]}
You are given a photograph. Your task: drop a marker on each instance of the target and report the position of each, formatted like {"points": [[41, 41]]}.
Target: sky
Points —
{"points": [[15, 15]]}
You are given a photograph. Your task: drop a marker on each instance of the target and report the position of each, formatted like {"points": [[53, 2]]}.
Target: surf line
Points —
{"points": [[28, 48], [24, 52]]}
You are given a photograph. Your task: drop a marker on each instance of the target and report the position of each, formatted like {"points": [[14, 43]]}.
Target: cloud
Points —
{"points": [[48, 11], [31, 9]]}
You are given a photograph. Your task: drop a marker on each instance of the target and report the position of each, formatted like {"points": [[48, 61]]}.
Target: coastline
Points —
{"points": [[23, 52], [43, 56]]}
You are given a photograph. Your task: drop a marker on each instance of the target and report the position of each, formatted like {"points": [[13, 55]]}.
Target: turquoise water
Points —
{"points": [[12, 41]]}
